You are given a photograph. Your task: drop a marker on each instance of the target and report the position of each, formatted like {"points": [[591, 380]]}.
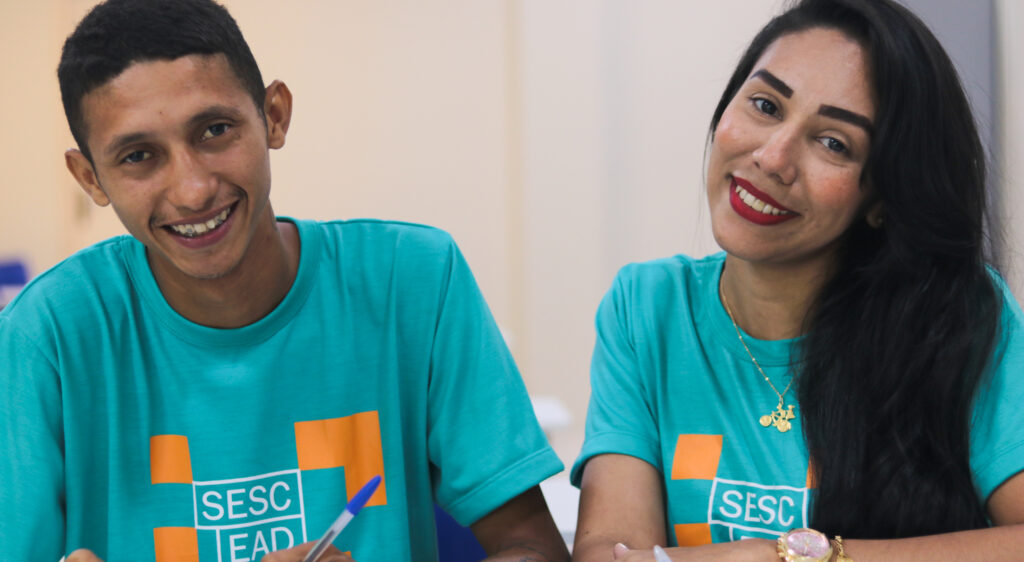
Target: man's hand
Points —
{"points": [[297, 553], [82, 555]]}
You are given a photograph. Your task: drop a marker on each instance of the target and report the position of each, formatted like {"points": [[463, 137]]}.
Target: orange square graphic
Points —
{"points": [[693, 534], [176, 544], [696, 457], [352, 442], [169, 461]]}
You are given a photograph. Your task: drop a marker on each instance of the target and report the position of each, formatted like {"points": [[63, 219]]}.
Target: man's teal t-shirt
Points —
{"points": [[133, 432], [672, 384]]}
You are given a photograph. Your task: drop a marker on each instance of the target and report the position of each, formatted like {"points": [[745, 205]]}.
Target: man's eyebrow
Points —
{"points": [[774, 82], [215, 112], [848, 116], [124, 140]]}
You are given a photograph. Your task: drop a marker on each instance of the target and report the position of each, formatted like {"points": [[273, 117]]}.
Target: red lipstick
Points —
{"points": [[751, 214]]}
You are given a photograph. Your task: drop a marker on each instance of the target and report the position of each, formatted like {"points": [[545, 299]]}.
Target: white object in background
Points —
{"points": [[551, 413]]}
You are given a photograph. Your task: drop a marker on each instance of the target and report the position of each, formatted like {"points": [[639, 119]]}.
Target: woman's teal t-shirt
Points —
{"points": [[672, 384]]}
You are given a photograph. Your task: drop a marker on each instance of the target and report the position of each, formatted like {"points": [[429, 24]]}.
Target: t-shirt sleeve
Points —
{"points": [[619, 417], [31, 460], [484, 442], [997, 426]]}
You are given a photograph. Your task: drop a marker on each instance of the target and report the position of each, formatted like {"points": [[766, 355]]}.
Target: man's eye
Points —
{"points": [[137, 156], [766, 106], [214, 131]]}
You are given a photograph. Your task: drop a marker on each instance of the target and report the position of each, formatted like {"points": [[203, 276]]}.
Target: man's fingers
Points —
{"points": [[298, 553], [82, 555]]}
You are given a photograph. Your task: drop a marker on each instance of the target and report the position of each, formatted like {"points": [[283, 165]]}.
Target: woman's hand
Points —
{"points": [[746, 550]]}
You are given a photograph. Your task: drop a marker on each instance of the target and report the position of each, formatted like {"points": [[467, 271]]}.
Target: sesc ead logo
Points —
{"points": [[251, 517], [740, 510]]}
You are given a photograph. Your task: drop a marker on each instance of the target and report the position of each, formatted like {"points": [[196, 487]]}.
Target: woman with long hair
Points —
{"points": [[844, 381]]}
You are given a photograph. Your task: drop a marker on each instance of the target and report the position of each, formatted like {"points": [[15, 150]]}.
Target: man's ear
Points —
{"points": [[85, 175], [277, 109]]}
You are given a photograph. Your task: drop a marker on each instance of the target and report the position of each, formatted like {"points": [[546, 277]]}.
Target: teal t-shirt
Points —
{"points": [[671, 384], [131, 431]]}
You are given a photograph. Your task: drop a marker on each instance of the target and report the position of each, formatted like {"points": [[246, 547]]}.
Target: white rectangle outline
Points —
{"points": [[195, 505], [732, 526]]}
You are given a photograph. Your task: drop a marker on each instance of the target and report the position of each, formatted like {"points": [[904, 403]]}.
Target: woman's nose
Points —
{"points": [[777, 155]]}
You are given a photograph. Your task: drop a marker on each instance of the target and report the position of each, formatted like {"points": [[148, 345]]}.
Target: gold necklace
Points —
{"points": [[780, 417]]}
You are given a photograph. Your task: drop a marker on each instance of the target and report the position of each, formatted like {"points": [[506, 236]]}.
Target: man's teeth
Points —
{"points": [[757, 204], [201, 228]]}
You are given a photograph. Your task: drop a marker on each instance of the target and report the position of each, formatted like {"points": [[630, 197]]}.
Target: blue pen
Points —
{"points": [[354, 505]]}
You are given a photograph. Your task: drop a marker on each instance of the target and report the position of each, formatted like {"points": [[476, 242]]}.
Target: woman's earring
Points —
{"points": [[875, 219]]}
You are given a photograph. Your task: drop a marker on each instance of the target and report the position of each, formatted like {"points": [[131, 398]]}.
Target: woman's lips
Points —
{"points": [[755, 205]]}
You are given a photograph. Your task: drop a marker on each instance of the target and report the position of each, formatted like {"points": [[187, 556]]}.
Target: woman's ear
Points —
{"points": [[875, 215]]}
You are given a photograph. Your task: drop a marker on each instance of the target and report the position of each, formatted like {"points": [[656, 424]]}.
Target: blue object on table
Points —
{"points": [[456, 543]]}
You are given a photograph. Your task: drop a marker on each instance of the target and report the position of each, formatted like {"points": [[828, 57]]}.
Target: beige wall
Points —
{"points": [[616, 99], [556, 139], [35, 201]]}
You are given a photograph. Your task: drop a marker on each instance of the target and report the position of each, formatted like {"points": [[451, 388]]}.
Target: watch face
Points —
{"points": [[805, 542]]}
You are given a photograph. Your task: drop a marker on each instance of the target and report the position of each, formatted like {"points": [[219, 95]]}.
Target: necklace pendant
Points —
{"points": [[779, 418]]}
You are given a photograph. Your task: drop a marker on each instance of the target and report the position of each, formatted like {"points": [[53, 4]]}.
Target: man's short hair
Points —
{"points": [[118, 33]]}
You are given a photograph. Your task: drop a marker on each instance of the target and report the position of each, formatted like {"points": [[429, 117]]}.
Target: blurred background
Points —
{"points": [[557, 140]]}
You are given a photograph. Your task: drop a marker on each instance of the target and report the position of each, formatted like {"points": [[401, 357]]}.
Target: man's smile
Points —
{"points": [[199, 228]]}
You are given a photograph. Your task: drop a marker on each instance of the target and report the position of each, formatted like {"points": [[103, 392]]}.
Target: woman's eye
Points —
{"points": [[214, 131], [766, 107], [834, 145], [137, 156]]}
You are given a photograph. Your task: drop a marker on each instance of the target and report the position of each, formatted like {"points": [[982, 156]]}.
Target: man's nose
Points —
{"points": [[191, 185]]}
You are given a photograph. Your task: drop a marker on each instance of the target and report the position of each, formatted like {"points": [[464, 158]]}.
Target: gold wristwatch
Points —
{"points": [[804, 545]]}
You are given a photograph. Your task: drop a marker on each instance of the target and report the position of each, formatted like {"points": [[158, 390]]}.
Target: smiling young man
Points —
{"points": [[218, 384]]}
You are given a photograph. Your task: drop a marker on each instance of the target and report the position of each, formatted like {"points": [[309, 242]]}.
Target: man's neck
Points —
{"points": [[771, 302], [249, 292]]}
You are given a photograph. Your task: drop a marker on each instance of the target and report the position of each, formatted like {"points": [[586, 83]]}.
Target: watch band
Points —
{"points": [[841, 556]]}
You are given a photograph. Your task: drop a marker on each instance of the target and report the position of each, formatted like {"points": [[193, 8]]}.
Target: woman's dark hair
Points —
{"points": [[118, 33], [898, 340]]}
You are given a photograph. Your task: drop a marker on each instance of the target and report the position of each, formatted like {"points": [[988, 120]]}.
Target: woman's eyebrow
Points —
{"points": [[826, 110], [774, 82], [848, 116]]}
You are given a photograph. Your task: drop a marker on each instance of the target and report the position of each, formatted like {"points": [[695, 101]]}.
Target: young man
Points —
{"points": [[218, 384]]}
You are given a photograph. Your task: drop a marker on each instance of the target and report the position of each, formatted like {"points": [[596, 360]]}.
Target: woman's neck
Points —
{"points": [[770, 302]]}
